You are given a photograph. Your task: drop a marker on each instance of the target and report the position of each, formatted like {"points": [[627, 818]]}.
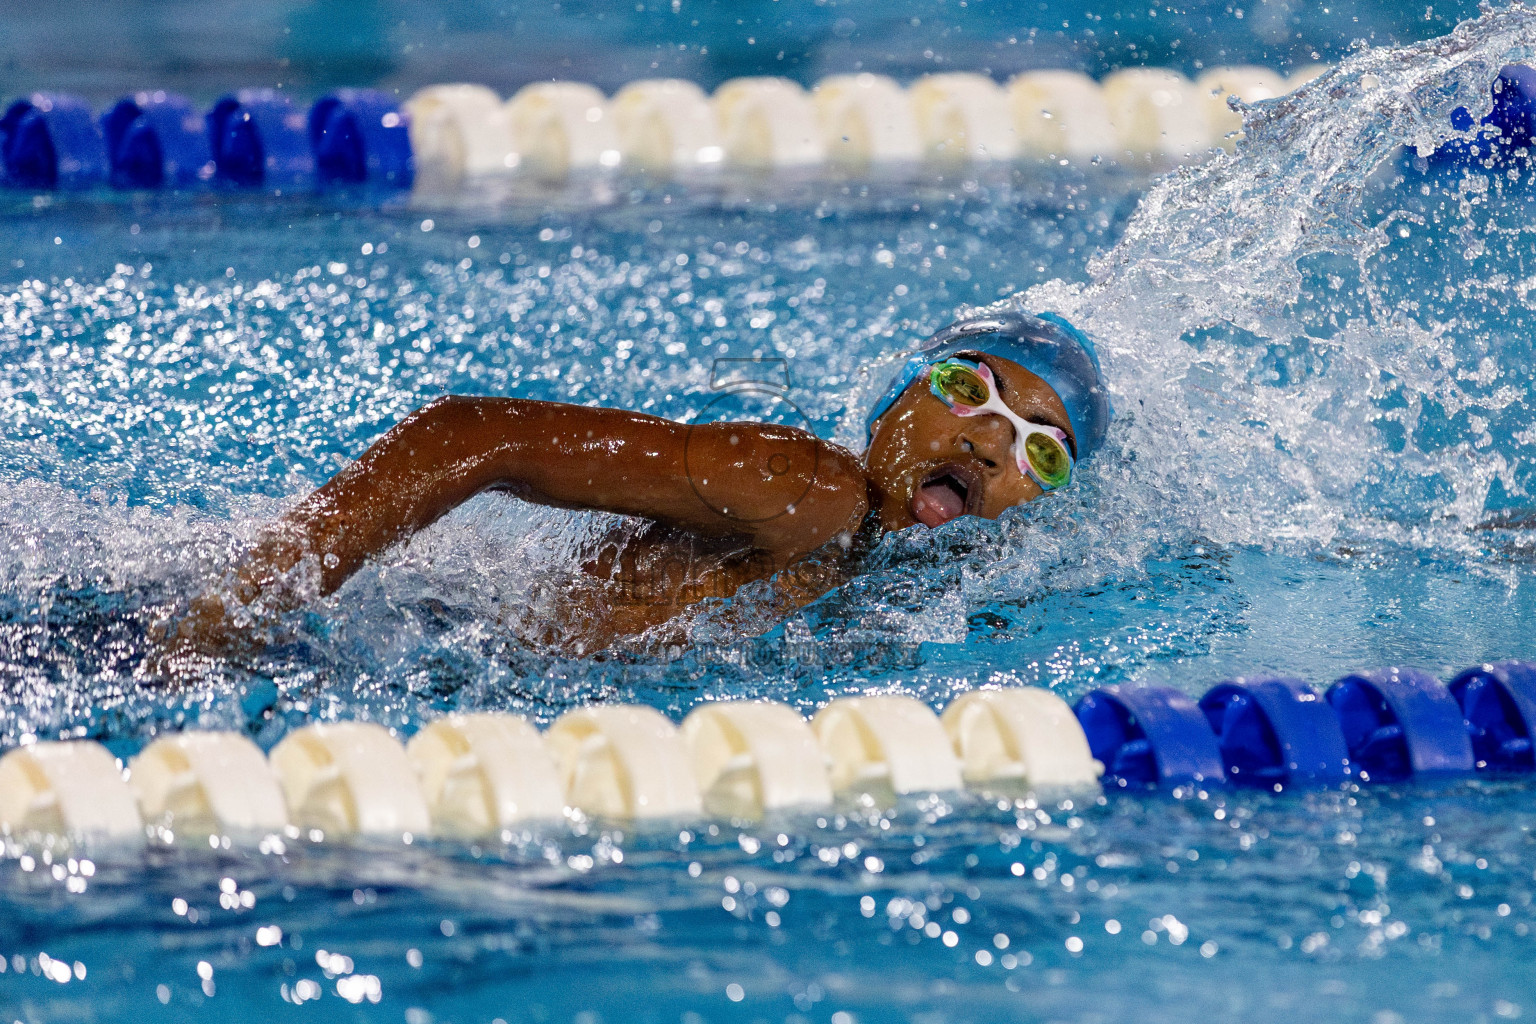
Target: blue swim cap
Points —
{"points": [[1045, 345]]}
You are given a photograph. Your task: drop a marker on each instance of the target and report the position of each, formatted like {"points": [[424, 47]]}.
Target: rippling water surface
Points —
{"points": [[1323, 459]]}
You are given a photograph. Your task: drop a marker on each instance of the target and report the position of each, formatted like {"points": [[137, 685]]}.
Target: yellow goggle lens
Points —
{"points": [[960, 385], [1048, 458]]}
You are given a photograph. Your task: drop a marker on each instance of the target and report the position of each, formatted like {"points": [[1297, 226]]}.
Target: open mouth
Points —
{"points": [[946, 493]]}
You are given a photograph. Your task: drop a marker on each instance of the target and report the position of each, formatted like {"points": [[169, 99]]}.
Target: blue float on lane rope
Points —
{"points": [[155, 140], [1509, 126], [51, 140], [260, 141], [1401, 722], [1499, 705], [360, 136], [1274, 731], [1150, 735]]}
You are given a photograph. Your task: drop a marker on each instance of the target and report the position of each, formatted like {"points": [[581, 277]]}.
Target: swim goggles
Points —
{"points": [[969, 389]]}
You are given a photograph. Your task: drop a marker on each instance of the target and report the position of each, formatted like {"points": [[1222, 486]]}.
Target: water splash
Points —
{"points": [[1307, 353], [1272, 342]]}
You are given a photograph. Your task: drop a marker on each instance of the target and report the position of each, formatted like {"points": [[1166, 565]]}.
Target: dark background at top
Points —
{"points": [[204, 47]]}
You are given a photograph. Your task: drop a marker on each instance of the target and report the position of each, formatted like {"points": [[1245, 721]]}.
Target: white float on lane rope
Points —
{"points": [[624, 761], [866, 120], [1061, 114], [768, 123], [754, 756], [1157, 114], [67, 788], [561, 127], [350, 778], [207, 783], [458, 132], [963, 117], [885, 742], [1248, 84], [1024, 735], [666, 124], [483, 772], [1304, 74]]}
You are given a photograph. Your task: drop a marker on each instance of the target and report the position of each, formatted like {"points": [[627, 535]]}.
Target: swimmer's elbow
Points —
{"points": [[481, 412], [463, 416], [447, 406]]}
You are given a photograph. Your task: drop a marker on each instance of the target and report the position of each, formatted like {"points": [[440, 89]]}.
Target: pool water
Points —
{"points": [[207, 47], [1322, 460]]}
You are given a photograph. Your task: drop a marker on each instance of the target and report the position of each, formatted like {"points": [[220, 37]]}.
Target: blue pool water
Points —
{"points": [[1323, 460], [205, 47]]}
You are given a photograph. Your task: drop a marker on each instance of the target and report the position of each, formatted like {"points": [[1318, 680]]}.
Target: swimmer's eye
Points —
{"points": [[959, 384], [1048, 458]]}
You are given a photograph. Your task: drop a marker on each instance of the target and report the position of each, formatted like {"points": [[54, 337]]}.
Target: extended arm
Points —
{"points": [[783, 490]]}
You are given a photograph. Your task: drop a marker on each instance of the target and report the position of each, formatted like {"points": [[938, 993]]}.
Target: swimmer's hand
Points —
{"points": [[185, 647], [217, 625]]}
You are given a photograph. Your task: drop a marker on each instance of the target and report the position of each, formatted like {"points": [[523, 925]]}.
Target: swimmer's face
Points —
{"points": [[932, 466]]}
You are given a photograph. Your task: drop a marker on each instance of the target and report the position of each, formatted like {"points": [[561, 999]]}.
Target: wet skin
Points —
{"points": [[919, 440], [722, 504]]}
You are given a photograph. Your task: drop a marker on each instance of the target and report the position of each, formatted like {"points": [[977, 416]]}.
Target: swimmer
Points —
{"points": [[992, 412]]}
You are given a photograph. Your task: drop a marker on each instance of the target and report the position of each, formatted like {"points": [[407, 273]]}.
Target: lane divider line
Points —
{"points": [[446, 137], [1062, 115], [624, 761], [350, 778], [481, 773], [755, 756], [68, 789], [767, 124], [867, 121], [458, 133], [963, 118], [1025, 735], [260, 140], [561, 128], [478, 775], [451, 138], [665, 124], [886, 743], [1275, 732], [207, 783], [1400, 723], [1150, 735], [1499, 703]]}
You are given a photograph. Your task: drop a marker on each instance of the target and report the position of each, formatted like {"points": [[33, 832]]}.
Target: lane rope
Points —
{"points": [[451, 138], [478, 775], [446, 137]]}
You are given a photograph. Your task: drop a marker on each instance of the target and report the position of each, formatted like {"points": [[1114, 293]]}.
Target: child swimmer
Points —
{"points": [[991, 412]]}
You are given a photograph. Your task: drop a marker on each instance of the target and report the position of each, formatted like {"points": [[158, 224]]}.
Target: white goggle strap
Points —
{"points": [[1022, 427]]}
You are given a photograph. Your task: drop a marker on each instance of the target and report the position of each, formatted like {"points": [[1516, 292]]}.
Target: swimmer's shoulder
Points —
{"points": [[837, 502]]}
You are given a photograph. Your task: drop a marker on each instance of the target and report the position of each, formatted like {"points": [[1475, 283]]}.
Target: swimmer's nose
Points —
{"points": [[970, 449], [990, 438]]}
